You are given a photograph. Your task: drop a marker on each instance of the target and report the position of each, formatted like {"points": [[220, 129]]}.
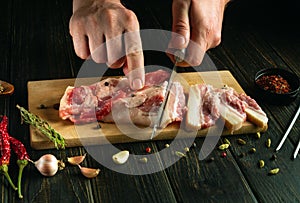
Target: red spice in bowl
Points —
{"points": [[274, 83], [277, 85]]}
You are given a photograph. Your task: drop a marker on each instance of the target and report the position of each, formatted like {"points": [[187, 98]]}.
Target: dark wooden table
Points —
{"points": [[35, 45]]}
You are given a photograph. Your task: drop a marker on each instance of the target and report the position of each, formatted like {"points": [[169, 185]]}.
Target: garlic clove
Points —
{"points": [[89, 172], [76, 160], [121, 157]]}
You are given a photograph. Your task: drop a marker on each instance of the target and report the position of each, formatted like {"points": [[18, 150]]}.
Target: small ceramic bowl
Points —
{"points": [[276, 95]]}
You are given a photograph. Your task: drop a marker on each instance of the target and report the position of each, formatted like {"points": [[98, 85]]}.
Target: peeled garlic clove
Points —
{"points": [[89, 172], [121, 157], [76, 160]]}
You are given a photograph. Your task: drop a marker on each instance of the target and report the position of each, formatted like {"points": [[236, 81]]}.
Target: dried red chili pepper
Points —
{"points": [[5, 150], [22, 161]]}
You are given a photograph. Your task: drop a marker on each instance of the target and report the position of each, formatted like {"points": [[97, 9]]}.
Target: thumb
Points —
{"points": [[181, 25]]}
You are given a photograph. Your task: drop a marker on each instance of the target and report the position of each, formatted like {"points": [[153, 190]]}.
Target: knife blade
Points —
{"points": [[178, 56]]}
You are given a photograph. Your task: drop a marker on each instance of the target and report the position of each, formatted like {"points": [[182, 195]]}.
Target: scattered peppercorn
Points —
{"points": [[223, 154], [106, 83], [274, 83], [261, 163], [252, 150], [223, 146], [179, 154], [148, 150], [143, 160], [211, 159], [241, 141], [268, 143], [258, 135], [241, 155], [56, 106], [226, 141], [274, 157], [274, 171], [42, 106]]}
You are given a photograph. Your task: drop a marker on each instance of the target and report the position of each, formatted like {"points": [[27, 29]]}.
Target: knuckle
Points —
{"points": [[130, 17], [81, 54], [180, 26], [134, 50], [109, 15], [216, 39], [195, 61]]}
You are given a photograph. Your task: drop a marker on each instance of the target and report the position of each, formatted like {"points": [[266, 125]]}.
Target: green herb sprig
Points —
{"points": [[43, 127]]}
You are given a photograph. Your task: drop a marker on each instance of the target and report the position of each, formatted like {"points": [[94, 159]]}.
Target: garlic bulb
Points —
{"points": [[121, 157], [47, 165]]}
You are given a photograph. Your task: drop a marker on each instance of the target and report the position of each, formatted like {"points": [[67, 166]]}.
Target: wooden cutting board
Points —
{"points": [[49, 92]]}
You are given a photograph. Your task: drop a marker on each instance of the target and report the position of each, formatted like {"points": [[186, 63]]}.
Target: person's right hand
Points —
{"points": [[197, 27], [109, 33]]}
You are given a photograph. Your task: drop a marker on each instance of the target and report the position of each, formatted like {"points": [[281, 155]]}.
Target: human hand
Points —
{"points": [[197, 26], [109, 33]]}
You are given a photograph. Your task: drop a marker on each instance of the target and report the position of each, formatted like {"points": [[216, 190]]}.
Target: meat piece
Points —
{"points": [[207, 104], [254, 112], [201, 111], [95, 102], [140, 107], [232, 109], [175, 105]]}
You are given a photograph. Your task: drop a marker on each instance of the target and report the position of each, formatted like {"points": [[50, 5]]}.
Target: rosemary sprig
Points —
{"points": [[43, 127]]}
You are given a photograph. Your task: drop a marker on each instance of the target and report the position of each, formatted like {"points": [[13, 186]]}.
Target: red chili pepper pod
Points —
{"points": [[22, 161], [5, 150]]}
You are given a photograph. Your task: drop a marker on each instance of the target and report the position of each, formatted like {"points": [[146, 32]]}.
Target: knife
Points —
{"points": [[178, 56]]}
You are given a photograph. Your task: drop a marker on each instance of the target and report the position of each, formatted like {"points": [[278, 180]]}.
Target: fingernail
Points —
{"points": [[178, 41], [137, 84]]}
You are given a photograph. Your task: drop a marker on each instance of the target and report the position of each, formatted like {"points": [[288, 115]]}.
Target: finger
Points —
{"points": [[97, 47], [115, 48], [81, 48], [135, 59], [134, 52], [200, 31], [180, 26], [79, 38]]}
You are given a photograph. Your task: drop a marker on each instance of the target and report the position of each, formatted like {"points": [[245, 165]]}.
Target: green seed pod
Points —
{"points": [[226, 141], [143, 160], [261, 163], [268, 143], [180, 154], [252, 150], [258, 135], [274, 171], [223, 146], [241, 141]]}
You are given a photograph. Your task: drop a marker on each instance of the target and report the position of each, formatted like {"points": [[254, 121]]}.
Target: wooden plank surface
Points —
{"points": [[49, 93]]}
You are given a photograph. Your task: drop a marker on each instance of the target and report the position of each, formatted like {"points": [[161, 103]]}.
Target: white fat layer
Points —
{"points": [[194, 108]]}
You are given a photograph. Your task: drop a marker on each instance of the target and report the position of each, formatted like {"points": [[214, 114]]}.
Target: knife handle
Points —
{"points": [[179, 55]]}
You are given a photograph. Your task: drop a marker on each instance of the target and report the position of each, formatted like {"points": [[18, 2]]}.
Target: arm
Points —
{"points": [[109, 33]]}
